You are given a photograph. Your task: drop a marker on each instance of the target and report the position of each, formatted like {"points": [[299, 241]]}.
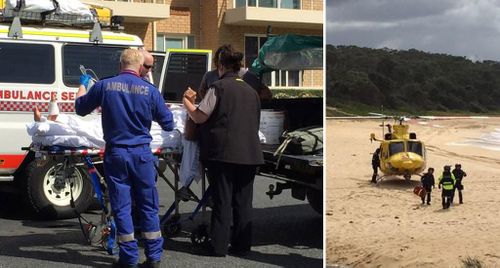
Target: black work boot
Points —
{"points": [[150, 264], [117, 264]]}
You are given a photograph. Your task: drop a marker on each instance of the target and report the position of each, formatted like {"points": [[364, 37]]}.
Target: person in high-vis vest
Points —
{"points": [[229, 116], [129, 105], [447, 182]]}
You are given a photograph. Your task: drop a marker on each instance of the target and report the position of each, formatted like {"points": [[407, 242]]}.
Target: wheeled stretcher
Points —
{"points": [[103, 233]]}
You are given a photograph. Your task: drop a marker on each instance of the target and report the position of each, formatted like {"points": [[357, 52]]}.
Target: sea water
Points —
{"points": [[489, 141]]}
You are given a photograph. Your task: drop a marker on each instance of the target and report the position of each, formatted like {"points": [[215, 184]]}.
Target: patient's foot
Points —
{"points": [[52, 117], [36, 114]]}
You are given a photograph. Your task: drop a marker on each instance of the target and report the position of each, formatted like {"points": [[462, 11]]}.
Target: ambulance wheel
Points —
{"points": [[200, 236], [49, 193], [315, 199]]}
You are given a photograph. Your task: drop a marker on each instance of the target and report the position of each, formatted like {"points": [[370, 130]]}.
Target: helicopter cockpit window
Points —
{"points": [[396, 147], [415, 147]]}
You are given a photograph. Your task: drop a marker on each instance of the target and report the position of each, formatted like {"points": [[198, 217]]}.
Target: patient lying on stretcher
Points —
{"points": [[72, 131]]}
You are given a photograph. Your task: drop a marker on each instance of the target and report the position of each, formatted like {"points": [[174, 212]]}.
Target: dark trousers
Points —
{"points": [[446, 196], [460, 197], [375, 173], [428, 196], [459, 188], [232, 195]]}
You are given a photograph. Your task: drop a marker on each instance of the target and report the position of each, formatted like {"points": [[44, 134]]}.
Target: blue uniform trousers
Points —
{"points": [[130, 175]]}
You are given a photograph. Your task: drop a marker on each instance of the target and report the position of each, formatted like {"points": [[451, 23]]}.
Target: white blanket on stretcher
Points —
{"points": [[72, 131]]}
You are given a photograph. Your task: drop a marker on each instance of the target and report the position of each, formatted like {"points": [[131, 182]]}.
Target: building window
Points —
{"points": [[273, 79], [290, 4], [166, 41]]}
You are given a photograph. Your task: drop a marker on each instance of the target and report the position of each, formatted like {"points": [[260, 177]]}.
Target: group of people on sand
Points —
{"points": [[449, 181]]}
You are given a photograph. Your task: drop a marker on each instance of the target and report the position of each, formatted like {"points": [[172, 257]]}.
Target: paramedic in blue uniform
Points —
{"points": [[129, 104], [229, 116], [147, 65]]}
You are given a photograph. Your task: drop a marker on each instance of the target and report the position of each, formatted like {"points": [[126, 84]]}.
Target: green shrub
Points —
{"points": [[296, 93]]}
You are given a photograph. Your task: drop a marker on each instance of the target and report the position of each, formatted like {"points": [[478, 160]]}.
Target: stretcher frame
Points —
{"points": [[104, 232]]}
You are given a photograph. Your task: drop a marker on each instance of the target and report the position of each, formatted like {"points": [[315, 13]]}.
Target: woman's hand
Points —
{"points": [[190, 95]]}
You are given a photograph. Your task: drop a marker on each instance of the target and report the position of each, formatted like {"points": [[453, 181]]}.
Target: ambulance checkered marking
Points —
{"points": [[93, 151], [26, 106]]}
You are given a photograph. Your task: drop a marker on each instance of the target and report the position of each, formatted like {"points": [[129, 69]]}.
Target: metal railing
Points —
{"points": [[285, 4]]}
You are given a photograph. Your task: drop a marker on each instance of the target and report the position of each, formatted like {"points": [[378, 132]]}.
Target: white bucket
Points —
{"points": [[271, 125]]}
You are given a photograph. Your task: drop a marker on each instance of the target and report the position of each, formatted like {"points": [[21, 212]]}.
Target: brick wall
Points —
{"points": [[205, 21], [142, 30], [312, 4], [313, 78], [209, 24]]}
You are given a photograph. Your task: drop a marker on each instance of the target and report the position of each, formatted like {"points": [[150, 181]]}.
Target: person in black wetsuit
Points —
{"points": [[428, 183], [459, 175], [375, 164]]}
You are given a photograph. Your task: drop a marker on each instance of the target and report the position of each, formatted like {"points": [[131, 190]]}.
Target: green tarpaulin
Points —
{"points": [[289, 52]]}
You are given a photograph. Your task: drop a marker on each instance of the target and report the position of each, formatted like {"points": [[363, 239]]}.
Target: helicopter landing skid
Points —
{"points": [[379, 179]]}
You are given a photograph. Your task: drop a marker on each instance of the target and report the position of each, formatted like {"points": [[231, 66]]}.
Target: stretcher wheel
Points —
{"points": [[172, 227], [104, 243], [94, 233], [200, 236]]}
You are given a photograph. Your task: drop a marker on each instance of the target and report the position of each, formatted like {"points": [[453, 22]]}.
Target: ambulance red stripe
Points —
{"points": [[11, 160]]}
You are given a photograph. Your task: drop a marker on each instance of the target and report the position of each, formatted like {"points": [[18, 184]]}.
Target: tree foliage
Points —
{"points": [[410, 80]]}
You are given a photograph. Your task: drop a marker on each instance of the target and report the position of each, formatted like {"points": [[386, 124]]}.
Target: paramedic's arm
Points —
{"points": [[81, 91], [161, 114], [202, 113], [84, 83], [89, 101]]}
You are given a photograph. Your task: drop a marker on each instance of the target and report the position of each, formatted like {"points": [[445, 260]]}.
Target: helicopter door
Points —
{"points": [[384, 154]]}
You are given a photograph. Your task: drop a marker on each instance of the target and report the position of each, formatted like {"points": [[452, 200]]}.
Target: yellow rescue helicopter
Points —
{"points": [[401, 154]]}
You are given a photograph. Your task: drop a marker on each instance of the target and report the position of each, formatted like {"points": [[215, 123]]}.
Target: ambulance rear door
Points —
{"points": [[181, 68]]}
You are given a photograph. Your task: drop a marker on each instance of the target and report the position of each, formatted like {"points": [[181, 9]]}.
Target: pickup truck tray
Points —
{"points": [[304, 168]]}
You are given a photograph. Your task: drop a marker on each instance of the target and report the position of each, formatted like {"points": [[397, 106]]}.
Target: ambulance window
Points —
{"points": [[103, 60], [183, 70], [415, 147], [396, 147], [27, 63], [157, 68]]}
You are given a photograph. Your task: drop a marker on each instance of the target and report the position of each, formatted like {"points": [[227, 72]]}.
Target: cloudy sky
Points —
{"points": [[468, 28]]}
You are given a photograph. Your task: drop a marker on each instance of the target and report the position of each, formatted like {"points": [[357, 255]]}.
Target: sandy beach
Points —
{"points": [[386, 225]]}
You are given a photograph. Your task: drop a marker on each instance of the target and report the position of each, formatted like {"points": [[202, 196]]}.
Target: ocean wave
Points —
{"points": [[489, 141]]}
